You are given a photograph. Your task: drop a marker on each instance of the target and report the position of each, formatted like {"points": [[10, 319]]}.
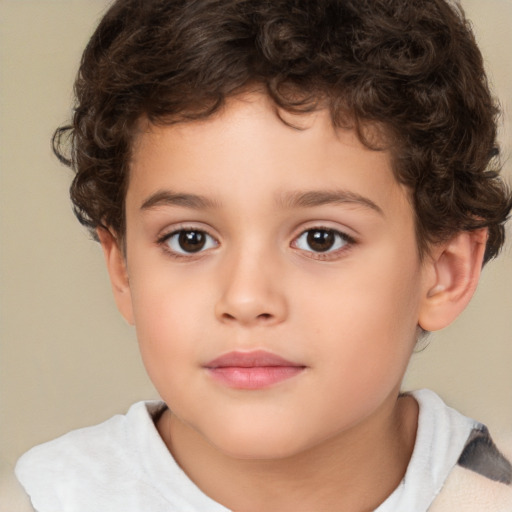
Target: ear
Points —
{"points": [[451, 278], [116, 266]]}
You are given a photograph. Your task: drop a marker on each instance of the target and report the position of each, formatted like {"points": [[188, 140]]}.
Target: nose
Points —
{"points": [[252, 292]]}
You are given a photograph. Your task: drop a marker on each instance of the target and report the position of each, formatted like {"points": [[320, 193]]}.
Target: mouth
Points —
{"points": [[252, 370]]}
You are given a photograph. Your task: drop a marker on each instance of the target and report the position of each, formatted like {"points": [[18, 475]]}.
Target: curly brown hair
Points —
{"points": [[409, 67]]}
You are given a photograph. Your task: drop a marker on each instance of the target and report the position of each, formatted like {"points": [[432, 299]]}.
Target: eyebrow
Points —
{"points": [[297, 199], [314, 198], [169, 198]]}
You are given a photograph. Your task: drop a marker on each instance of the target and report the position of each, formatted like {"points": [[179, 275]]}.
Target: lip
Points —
{"points": [[252, 370]]}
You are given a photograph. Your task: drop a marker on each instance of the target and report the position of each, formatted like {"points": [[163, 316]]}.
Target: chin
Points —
{"points": [[259, 442]]}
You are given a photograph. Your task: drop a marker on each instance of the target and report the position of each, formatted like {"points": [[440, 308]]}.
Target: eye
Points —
{"points": [[322, 240], [189, 241]]}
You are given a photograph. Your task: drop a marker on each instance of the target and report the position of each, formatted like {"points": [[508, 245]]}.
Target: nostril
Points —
{"points": [[263, 317]]}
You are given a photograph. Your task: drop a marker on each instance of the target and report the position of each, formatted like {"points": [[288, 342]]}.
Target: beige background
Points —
{"points": [[67, 358]]}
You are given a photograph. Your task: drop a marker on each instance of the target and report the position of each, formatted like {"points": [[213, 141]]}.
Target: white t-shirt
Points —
{"points": [[122, 465]]}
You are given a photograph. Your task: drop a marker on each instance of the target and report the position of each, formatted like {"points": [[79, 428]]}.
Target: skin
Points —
{"points": [[349, 315]]}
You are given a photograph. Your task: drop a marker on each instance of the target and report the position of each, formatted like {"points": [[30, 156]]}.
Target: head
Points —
{"points": [[411, 69], [330, 167]]}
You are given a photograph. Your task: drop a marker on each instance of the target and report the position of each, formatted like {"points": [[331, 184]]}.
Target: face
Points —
{"points": [[272, 276]]}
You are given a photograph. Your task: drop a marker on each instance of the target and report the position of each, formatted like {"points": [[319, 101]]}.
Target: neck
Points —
{"points": [[353, 471]]}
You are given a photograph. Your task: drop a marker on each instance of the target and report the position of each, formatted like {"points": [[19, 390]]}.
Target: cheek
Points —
{"points": [[169, 326], [368, 320], [364, 343]]}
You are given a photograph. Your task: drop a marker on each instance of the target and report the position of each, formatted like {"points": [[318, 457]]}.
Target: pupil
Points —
{"points": [[192, 241], [321, 240]]}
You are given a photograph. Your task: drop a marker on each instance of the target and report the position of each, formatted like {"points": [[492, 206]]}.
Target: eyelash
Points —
{"points": [[163, 241], [346, 240], [347, 243]]}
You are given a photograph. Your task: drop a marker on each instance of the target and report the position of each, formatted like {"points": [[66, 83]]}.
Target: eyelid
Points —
{"points": [[170, 230], [349, 240], [162, 239], [349, 233], [167, 234]]}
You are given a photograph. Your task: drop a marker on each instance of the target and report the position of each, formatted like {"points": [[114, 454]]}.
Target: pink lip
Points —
{"points": [[252, 370]]}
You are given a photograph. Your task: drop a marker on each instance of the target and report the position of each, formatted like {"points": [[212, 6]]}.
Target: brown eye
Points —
{"points": [[189, 241], [322, 240]]}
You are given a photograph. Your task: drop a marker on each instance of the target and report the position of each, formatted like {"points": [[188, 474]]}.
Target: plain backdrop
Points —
{"points": [[67, 359]]}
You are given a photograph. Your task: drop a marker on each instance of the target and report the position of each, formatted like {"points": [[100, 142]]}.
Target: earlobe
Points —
{"points": [[452, 275], [116, 266]]}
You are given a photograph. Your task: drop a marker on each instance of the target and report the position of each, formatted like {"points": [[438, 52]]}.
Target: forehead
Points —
{"points": [[250, 148]]}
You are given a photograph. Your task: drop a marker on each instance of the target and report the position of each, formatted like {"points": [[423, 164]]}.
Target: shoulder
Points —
{"points": [[85, 446], [88, 458], [121, 465], [455, 464], [482, 479]]}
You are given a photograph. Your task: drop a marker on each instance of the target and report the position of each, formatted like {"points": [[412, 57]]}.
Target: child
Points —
{"points": [[288, 194]]}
